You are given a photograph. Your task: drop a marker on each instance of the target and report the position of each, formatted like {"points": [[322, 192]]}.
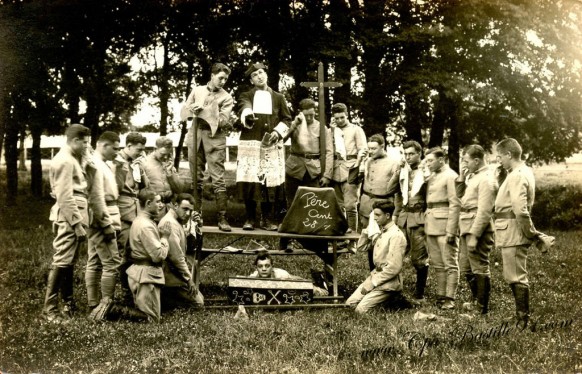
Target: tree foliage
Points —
{"points": [[442, 72]]}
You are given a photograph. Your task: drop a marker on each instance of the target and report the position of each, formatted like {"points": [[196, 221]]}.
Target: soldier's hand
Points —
{"points": [[80, 232], [194, 108], [192, 289], [324, 182], [274, 138], [471, 242], [451, 239], [108, 234], [165, 230], [249, 120], [367, 286]]}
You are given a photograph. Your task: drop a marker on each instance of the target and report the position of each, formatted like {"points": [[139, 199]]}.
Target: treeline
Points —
{"points": [[438, 71]]}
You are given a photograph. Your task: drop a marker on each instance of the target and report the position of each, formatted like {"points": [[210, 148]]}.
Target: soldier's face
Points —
{"points": [[469, 163], [155, 206], [340, 119], [164, 154], [381, 217], [110, 151], [184, 211], [412, 156], [264, 268], [504, 158], [134, 150], [218, 80], [309, 115], [374, 149], [80, 145], [259, 78], [434, 163]]}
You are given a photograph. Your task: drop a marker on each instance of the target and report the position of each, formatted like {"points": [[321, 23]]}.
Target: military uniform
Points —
{"points": [[69, 187], [410, 204], [441, 219], [175, 292], [146, 276], [103, 259], [477, 192], [388, 252], [303, 166], [380, 183], [514, 232], [163, 182], [349, 143], [211, 140]]}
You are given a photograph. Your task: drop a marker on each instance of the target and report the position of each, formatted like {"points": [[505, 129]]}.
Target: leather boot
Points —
{"points": [[251, 215], [67, 291], [267, 217], [50, 309], [352, 222], [92, 284], [421, 277], [472, 282], [522, 303], [483, 291], [117, 312], [221, 203]]}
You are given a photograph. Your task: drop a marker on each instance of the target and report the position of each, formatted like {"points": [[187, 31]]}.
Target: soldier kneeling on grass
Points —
{"points": [[146, 277], [264, 269]]}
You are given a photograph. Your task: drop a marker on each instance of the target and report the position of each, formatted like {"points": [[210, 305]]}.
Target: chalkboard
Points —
{"points": [[258, 291], [314, 211]]}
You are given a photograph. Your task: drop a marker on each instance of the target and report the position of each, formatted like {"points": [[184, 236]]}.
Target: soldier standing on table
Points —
{"points": [[381, 174], [411, 204], [148, 250], [514, 230], [70, 220], [260, 170], [130, 178], [476, 187], [179, 289], [103, 258], [161, 173], [213, 105], [350, 148], [442, 226]]}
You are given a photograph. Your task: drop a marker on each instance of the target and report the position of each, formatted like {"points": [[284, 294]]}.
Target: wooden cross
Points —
{"points": [[321, 85]]}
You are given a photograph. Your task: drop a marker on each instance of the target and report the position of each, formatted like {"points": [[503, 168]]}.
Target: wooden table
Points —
{"points": [[329, 257]]}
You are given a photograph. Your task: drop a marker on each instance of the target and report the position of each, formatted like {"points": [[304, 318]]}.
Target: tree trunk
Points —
{"points": [[11, 157], [22, 152], [36, 163], [438, 123], [164, 88], [184, 124]]}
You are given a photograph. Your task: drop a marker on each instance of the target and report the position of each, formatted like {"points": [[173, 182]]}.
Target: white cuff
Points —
{"points": [[282, 129]]}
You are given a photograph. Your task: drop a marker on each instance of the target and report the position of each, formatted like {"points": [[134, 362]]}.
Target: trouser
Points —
{"points": [[416, 248], [514, 264], [475, 261], [292, 185], [444, 260], [363, 303], [179, 297], [347, 196], [211, 152], [65, 244], [146, 297], [102, 257], [125, 258]]}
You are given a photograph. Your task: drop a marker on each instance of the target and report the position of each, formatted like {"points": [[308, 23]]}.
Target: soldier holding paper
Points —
{"points": [[260, 171]]}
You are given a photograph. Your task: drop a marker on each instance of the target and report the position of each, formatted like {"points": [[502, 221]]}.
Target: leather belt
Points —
{"points": [[79, 194], [126, 194], [468, 210], [144, 262], [308, 156], [437, 205], [348, 157], [416, 208], [377, 196], [509, 215], [111, 202]]}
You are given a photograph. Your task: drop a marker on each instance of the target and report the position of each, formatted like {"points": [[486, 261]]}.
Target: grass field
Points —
{"points": [[306, 341]]}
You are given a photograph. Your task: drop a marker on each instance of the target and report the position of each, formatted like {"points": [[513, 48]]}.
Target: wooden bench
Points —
{"points": [[329, 257]]}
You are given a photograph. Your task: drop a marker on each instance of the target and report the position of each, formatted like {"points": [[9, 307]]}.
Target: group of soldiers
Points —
{"points": [[140, 216]]}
